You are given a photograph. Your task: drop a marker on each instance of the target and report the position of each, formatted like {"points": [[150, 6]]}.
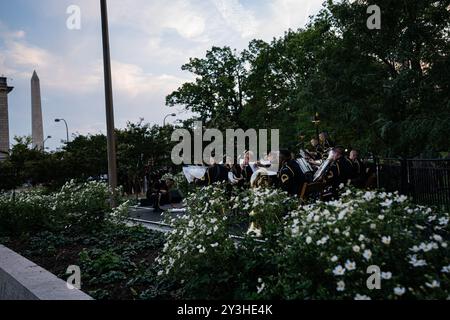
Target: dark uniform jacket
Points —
{"points": [[359, 173], [247, 173], [216, 173], [341, 172], [291, 178]]}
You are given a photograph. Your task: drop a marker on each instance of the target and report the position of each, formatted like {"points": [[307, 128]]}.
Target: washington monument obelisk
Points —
{"points": [[4, 119], [36, 113]]}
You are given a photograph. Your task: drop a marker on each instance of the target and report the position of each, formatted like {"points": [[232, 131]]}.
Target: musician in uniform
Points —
{"points": [[341, 171], [290, 176], [359, 170], [315, 151], [247, 169], [325, 141], [216, 173]]}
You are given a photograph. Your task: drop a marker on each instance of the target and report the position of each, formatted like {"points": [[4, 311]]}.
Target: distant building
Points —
{"points": [[4, 118]]}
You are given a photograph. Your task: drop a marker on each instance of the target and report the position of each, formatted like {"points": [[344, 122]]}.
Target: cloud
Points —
{"points": [[132, 80], [237, 17]]}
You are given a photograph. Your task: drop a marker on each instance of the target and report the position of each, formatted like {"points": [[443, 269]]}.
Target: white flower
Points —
{"points": [[214, 245], [373, 226], [417, 263], [388, 203], [381, 217], [386, 275], [399, 291], [308, 240], [339, 271], [446, 269], [322, 241], [350, 265], [433, 285], [362, 297], [443, 221], [356, 248], [361, 238], [401, 199], [261, 287], [341, 186], [369, 196], [367, 254], [334, 259], [386, 240], [340, 286], [437, 237], [191, 224]]}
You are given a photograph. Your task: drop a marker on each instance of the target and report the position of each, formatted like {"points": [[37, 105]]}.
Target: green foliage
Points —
{"points": [[76, 206], [318, 251], [85, 158], [383, 91]]}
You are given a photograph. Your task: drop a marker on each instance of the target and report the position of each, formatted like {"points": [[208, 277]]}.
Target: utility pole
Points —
{"points": [[111, 136]]}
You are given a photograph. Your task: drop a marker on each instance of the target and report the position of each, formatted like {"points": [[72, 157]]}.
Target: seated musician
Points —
{"points": [[246, 168], [325, 141], [290, 176], [316, 151], [341, 171], [359, 170], [157, 188], [216, 173]]}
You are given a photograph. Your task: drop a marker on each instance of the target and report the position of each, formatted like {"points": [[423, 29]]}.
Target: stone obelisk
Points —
{"points": [[36, 113], [4, 118]]}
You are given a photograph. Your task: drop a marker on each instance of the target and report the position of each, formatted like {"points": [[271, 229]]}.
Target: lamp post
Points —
{"points": [[67, 128], [316, 122], [111, 136], [169, 115], [43, 143]]}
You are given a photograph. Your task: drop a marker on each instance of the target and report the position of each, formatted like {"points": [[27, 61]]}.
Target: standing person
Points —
{"points": [[290, 176]]}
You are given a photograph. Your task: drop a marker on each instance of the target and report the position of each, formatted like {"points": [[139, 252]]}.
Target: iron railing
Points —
{"points": [[427, 182]]}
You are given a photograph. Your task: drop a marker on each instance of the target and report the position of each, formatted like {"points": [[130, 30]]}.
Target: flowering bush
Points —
{"points": [[201, 254], [75, 206], [323, 250], [330, 247]]}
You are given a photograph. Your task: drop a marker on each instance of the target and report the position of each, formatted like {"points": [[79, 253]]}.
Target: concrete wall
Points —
{"points": [[21, 279]]}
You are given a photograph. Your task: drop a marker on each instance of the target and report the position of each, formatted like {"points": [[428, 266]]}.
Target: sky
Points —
{"points": [[150, 41]]}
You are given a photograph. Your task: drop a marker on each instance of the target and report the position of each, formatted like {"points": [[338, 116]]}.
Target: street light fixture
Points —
{"points": [[67, 128], [43, 143], [169, 115]]}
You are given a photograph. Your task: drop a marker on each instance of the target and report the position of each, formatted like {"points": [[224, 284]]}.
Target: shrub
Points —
{"points": [[76, 206], [317, 251]]}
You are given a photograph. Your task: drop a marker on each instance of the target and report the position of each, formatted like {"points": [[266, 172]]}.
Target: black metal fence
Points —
{"points": [[426, 181]]}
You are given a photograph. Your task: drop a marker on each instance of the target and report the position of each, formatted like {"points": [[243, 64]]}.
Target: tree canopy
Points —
{"points": [[383, 91]]}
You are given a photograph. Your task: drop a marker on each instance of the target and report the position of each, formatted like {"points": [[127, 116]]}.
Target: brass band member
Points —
{"points": [[291, 177], [216, 173], [341, 171], [325, 141], [247, 169], [359, 170]]}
